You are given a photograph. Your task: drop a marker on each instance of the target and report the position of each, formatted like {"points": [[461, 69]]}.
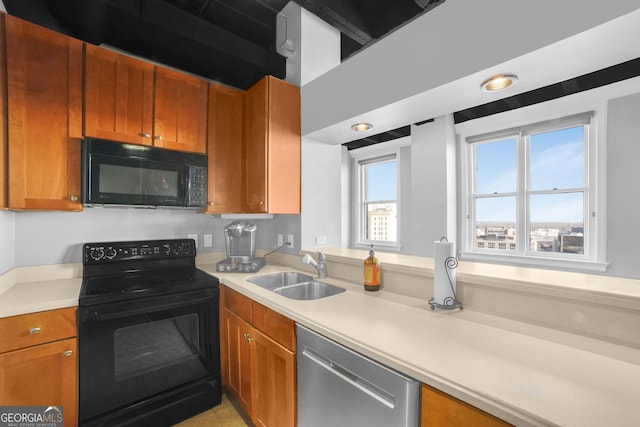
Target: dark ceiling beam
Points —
{"points": [[340, 15], [182, 23], [427, 5]]}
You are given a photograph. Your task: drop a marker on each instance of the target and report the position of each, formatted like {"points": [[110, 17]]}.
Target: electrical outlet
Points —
{"points": [[208, 240], [290, 240], [194, 237], [280, 240]]}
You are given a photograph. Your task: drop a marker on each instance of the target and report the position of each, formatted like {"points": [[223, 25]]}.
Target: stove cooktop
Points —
{"points": [[116, 271]]}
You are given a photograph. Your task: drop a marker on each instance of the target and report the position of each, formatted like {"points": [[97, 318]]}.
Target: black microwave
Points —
{"points": [[120, 174]]}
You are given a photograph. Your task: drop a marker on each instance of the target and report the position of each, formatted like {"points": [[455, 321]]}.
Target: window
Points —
{"points": [[531, 193], [376, 202]]}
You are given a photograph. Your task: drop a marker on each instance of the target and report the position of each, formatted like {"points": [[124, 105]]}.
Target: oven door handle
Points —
{"points": [[131, 308]]}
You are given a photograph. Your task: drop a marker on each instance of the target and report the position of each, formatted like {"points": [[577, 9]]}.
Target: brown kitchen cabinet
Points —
{"points": [[118, 96], [44, 126], [3, 115], [224, 148], [272, 147], [180, 115], [131, 100], [259, 360], [38, 361], [441, 410]]}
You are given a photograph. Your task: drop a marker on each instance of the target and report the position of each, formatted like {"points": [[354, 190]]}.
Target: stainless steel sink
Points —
{"points": [[278, 280], [308, 290], [295, 285]]}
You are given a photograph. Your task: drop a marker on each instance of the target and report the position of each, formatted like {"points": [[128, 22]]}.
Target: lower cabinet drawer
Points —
{"points": [[37, 328]]}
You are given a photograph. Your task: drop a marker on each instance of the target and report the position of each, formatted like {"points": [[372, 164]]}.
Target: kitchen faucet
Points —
{"points": [[321, 265]]}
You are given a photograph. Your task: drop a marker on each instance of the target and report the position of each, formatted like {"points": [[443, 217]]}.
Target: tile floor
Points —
{"points": [[223, 415]]}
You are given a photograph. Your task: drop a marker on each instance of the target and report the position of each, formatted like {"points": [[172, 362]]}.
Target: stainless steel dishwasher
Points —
{"points": [[339, 387]]}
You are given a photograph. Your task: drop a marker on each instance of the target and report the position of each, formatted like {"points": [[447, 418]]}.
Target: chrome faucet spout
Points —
{"points": [[320, 265]]}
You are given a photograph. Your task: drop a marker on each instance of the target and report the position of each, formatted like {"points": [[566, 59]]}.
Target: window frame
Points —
{"points": [[525, 122], [364, 156]]}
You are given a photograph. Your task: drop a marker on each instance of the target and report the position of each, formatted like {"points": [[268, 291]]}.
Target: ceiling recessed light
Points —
{"points": [[499, 82], [361, 127]]}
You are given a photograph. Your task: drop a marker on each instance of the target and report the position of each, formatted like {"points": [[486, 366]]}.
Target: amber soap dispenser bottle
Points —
{"points": [[371, 272]]}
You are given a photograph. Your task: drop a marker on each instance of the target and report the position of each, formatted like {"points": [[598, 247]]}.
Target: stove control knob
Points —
{"points": [[110, 253], [97, 254], [167, 249]]}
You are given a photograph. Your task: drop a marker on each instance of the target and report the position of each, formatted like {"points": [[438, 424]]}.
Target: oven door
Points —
{"points": [[133, 350]]}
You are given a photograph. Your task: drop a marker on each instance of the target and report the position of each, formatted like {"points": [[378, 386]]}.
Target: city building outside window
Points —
{"points": [[531, 194]]}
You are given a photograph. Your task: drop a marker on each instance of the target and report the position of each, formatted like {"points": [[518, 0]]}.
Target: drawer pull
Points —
{"points": [[68, 353], [34, 331]]}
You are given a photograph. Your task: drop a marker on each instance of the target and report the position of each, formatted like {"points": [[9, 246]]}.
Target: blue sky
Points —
{"points": [[557, 161], [382, 181]]}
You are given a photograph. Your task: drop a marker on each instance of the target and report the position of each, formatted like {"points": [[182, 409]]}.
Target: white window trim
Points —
{"points": [[595, 101], [357, 220]]}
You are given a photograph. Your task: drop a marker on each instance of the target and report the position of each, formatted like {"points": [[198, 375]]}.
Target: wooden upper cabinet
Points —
{"points": [[44, 92], [118, 96], [224, 147], [180, 119], [272, 147], [3, 121]]}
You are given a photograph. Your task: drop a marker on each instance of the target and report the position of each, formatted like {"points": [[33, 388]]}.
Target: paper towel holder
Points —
{"points": [[449, 303]]}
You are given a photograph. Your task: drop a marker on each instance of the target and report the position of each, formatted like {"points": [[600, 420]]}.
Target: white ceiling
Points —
{"points": [[360, 90]]}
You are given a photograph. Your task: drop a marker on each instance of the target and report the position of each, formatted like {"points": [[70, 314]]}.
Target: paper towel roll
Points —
{"points": [[442, 289]]}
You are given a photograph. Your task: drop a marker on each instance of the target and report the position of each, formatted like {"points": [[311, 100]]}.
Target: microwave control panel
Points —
{"points": [[197, 195]]}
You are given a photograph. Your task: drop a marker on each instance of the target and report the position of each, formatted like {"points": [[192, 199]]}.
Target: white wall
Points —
{"points": [[623, 192], [432, 215], [312, 46], [321, 193], [7, 241]]}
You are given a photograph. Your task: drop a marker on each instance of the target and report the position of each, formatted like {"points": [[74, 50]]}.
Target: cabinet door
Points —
{"points": [[180, 119], [442, 410], [118, 97], [255, 148], [45, 117], [224, 148], [272, 147], [44, 375], [238, 347], [284, 164], [274, 383], [3, 118]]}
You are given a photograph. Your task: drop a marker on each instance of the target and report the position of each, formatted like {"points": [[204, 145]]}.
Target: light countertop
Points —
{"points": [[524, 374]]}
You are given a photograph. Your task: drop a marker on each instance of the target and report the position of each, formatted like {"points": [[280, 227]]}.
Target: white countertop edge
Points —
{"points": [[39, 306]]}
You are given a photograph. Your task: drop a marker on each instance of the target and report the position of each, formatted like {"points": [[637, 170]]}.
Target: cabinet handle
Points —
{"points": [[159, 137], [146, 135], [74, 198], [247, 337], [68, 353], [212, 203], [34, 331]]}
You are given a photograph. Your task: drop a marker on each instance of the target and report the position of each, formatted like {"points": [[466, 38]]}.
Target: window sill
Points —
{"points": [[378, 246], [536, 262]]}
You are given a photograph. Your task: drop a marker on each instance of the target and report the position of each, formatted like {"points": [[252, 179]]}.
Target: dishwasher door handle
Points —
{"points": [[356, 381]]}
